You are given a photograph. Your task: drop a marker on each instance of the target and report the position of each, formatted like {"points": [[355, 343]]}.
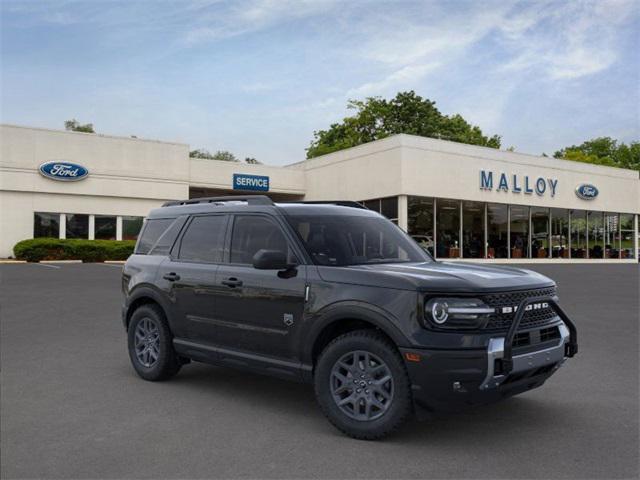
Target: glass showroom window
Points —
{"points": [[596, 234], [497, 231], [539, 232], [420, 221], [519, 231], [448, 228], [389, 208], [77, 226], [105, 226], [559, 233], [473, 230], [578, 234], [386, 206], [46, 225], [626, 236], [131, 227], [611, 235]]}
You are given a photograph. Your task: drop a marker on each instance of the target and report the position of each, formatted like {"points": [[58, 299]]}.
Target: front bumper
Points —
{"points": [[450, 379], [446, 380]]}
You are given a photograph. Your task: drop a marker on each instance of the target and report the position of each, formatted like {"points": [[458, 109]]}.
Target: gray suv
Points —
{"points": [[338, 296]]}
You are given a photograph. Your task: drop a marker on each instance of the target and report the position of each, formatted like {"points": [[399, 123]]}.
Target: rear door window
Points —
{"points": [[203, 241]]}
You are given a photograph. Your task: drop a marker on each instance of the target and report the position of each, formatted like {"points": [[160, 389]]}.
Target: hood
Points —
{"points": [[437, 277]]}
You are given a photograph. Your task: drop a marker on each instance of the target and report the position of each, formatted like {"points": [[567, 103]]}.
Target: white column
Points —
{"points": [[485, 236], [403, 212], [92, 227], [63, 225], [118, 228]]}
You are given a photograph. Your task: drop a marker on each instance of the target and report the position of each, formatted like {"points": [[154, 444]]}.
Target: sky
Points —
{"points": [[258, 77]]}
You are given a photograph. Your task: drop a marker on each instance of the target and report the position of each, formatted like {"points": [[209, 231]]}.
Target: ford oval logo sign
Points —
{"points": [[586, 191], [63, 171]]}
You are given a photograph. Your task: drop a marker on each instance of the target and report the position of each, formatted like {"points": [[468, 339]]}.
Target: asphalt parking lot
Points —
{"points": [[72, 407]]}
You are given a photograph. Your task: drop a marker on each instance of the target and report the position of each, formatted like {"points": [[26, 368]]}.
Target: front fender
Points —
{"points": [[352, 310]]}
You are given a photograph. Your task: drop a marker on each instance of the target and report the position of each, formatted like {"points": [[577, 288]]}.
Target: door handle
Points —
{"points": [[232, 282], [172, 276]]}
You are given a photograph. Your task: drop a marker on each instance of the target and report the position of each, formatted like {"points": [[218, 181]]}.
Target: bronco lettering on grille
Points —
{"points": [[531, 306]]}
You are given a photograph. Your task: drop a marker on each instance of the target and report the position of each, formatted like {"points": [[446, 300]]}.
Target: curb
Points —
{"points": [[8, 261], [115, 262], [60, 261]]}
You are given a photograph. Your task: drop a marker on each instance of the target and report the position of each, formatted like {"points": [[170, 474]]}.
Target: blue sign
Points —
{"points": [[586, 191], [257, 183], [63, 171], [518, 183]]}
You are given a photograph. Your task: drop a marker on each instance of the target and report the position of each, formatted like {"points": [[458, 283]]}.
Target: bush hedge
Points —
{"points": [[37, 249]]}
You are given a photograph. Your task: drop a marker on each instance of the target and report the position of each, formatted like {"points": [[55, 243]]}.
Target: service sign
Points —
{"points": [[257, 183], [63, 171], [586, 191]]}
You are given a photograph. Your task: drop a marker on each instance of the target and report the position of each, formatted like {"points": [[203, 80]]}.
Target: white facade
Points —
{"points": [[128, 177], [411, 165]]}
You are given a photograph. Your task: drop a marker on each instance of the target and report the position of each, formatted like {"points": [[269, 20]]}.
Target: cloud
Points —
{"points": [[568, 40], [251, 16], [258, 87], [552, 39], [397, 80]]}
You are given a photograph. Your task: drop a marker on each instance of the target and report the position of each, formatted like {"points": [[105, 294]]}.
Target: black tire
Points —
{"points": [[167, 363], [400, 406]]}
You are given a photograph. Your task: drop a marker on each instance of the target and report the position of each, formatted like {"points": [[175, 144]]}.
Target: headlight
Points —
{"points": [[452, 312]]}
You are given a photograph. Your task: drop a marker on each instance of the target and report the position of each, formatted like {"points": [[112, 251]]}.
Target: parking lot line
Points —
{"points": [[47, 265]]}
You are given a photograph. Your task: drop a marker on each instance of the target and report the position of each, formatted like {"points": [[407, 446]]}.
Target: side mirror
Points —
{"points": [[270, 260]]}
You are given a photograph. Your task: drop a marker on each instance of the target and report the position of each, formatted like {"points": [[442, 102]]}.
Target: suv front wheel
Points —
{"points": [[362, 386], [150, 344]]}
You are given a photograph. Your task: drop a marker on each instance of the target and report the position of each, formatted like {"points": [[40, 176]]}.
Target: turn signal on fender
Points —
{"points": [[412, 357]]}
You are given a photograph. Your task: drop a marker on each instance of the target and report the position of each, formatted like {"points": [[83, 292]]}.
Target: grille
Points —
{"points": [[547, 334], [531, 319], [521, 339]]}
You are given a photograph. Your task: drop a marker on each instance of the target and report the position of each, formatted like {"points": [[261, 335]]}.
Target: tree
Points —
{"points": [[75, 126], [219, 155], [252, 161], [225, 156], [201, 153], [604, 151], [377, 118]]}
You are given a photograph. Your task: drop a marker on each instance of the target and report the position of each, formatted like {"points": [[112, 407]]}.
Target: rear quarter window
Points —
{"points": [[151, 232]]}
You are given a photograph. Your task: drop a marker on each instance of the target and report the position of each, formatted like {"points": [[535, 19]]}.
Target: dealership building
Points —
{"points": [[462, 202]]}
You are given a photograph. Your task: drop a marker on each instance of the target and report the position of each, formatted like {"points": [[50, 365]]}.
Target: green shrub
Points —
{"points": [[37, 249]]}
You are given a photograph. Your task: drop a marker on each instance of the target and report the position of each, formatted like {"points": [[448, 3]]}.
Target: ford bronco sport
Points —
{"points": [[336, 295]]}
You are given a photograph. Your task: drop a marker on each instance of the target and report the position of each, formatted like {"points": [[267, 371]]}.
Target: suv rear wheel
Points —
{"points": [[150, 344], [362, 386]]}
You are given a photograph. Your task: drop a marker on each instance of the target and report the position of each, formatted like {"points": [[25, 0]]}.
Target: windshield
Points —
{"points": [[355, 240]]}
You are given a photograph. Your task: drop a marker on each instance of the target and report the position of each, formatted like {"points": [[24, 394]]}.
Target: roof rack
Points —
{"points": [[250, 199], [341, 203]]}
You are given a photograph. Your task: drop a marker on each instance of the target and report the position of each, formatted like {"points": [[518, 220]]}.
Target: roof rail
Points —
{"points": [[341, 203], [250, 199]]}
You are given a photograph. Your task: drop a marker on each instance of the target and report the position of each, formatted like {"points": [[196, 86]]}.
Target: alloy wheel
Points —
{"points": [[361, 385], [147, 342]]}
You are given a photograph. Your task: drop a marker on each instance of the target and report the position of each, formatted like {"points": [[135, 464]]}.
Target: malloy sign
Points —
{"points": [[514, 183]]}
